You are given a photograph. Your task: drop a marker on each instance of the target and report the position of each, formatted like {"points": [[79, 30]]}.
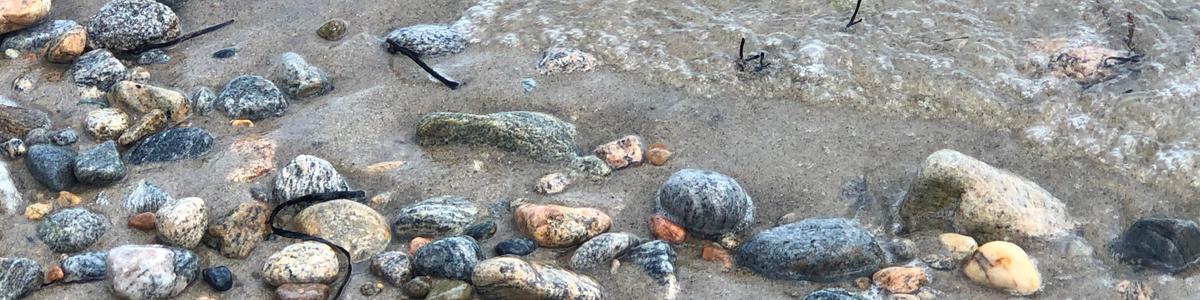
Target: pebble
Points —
{"points": [[371, 288], [18, 15], [150, 271], [1168, 245], [417, 242], [513, 278], [154, 57], [219, 278], [236, 235], [393, 266], [443, 289], [68, 199], [52, 166], [481, 231], [54, 274], [958, 245], [666, 230], [658, 154], [452, 258], [304, 262], [10, 198], [139, 74], [724, 207], [100, 166], [251, 97], [71, 230], [22, 83], [129, 24], [143, 98], [172, 145], [832, 294], [537, 135], [106, 123], [436, 217], [554, 226], [305, 175], [940, 262], [146, 197], [148, 124], [36, 211], [182, 222], [143, 221], [301, 79], [902, 280], [332, 30], [602, 249], [1005, 266], [590, 166], [717, 254], [14, 148], [528, 84], [202, 100], [354, 226], [85, 267], [225, 53], [991, 203], [819, 250], [657, 259], [56, 41], [303, 291], [902, 249], [12, 53], [429, 39], [515, 246], [418, 287], [566, 60], [37, 136], [64, 137], [19, 276], [552, 183], [621, 153], [19, 121], [98, 68]]}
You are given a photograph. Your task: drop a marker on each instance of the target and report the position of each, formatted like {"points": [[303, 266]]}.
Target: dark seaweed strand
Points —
{"points": [[394, 47], [855, 15], [182, 38], [318, 197], [742, 50]]}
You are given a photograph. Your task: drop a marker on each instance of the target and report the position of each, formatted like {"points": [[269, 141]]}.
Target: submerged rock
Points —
{"points": [[151, 271], [418, 287], [705, 202], [1005, 266], [820, 250], [443, 289], [129, 24], [537, 135], [251, 97], [566, 60], [100, 166], [332, 30], [149, 123], [143, 98], [352, 225], [429, 39], [71, 230], [516, 246], [85, 267], [1168, 245], [98, 68], [52, 166], [306, 175], [146, 197], [236, 235], [19, 276], [172, 145], [481, 231], [452, 257], [393, 266], [833, 294], [182, 222], [57, 41], [304, 262], [555, 226], [106, 123], [602, 249], [436, 217], [301, 79], [16, 122], [513, 278]]}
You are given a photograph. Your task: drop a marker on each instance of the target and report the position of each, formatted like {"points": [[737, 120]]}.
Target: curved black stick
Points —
{"points": [[855, 15], [180, 39], [394, 47], [318, 197]]}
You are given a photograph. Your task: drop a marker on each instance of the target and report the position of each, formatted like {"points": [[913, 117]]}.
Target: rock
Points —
{"points": [[516, 246], [106, 123], [332, 30], [100, 166], [85, 267], [621, 153], [54, 274], [392, 266], [452, 258], [146, 197], [251, 97], [566, 60], [832, 294], [667, 231], [149, 123], [901, 280], [68, 199], [16, 122], [202, 100], [418, 288], [552, 183], [304, 262], [537, 135], [555, 226], [1134, 290], [958, 245], [15, 15], [589, 166], [23, 83], [153, 57], [1005, 266], [417, 243], [658, 154], [437, 217], [143, 221], [236, 235], [72, 229], [528, 84], [443, 289], [481, 231], [1086, 64], [820, 250], [130, 24], [1168, 245], [98, 68], [64, 137], [902, 249], [225, 53], [371, 288], [602, 249], [139, 74], [940, 262], [513, 278], [959, 193], [352, 225], [144, 98], [306, 175], [57, 41], [429, 39], [10, 198], [301, 79], [305, 291], [182, 222], [219, 278], [14, 148], [657, 259], [36, 211], [705, 202], [150, 271], [717, 254], [19, 276], [172, 145]]}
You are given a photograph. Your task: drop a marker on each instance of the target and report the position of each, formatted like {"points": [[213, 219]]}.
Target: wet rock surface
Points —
{"points": [[304, 262], [513, 278], [16, 122], [305, 175], [19, 277], [98, 68], [705, 202], [537, 135], [73, 229], [437, 216], [517, 246], [172, 145], [332, 30], [1168, 245], [100, 166], [452, 257], [566, 60], [394, 267], [352, 225], [251, 97], [150, 271], [833, 294], [428, 39], [602, 249], [449, 290], [218, 278], [820, 250], [555, 226], [301, 79], [130, 24], [56, 41], [85, 267], [657, 260], [236, 235]]}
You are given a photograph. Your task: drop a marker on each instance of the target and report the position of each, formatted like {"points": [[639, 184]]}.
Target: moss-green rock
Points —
{"points": [[537, 135]]}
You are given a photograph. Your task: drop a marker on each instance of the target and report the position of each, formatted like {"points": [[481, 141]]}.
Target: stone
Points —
{"points": [[71, 230], [219, 278], [537, 135], [705, 202], [10, 198], [602, 249], [959, 193], [657, 260], [17, 122], [940, 262], [371, 288], [124, 25], [143, 221], [172, 145], [658, 154], [202, 100], [68, 199], [666, 230], [481, 231], [85, 267], [54, 274], [139, 74], [554, 226], [304, 291], [621, 153], [717, 254], [146, 197], [900, 280], [589, 166], [148, 124], [1004, 266], [106, 123], [1168, 245], [902, 249], [23, 83], [332, 30], [304, 262], [98, 68], [393, 267], [516, 246], [354, 226], [251, 97], [19, 276], [236, 235], [436, 217], [417, 243], [528, 84], [832, 294], [64, 137], [418, 287], [150, 271], [301, 79], [256, 158], [14, 148], [57, 41], [153, 57], [306, 175], [144, 98], [429, 39], [958, 245], [449, 290], [566, 60], [36, 211], [451, 258], [100, 166], [513, 278], [819, 250], [552, 183], [182, 222], [225, 53], [16, 15]]}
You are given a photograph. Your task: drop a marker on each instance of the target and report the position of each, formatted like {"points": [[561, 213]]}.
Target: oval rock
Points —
{"points": [[602, 249], [72, 229], [352, 225], [453, 258], [555, 226], [513, 278], [820, 250], [705, 202], [304, 262], [437, 216]]}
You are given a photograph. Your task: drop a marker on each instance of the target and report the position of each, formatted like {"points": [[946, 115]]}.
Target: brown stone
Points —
{"points": [[68, 47], [717, 254], [417, 243], [54, 274], [37, 210], [257, 159], [305, 291], [148, 124], [862, 283], [236, 235], [555, 226], [143, 221], [16, 122], [552, 183], [666, 230], [18, 14], [902, 280], [658, 154], [621, 153], [144, 98], [385, 166], [68, 199]]}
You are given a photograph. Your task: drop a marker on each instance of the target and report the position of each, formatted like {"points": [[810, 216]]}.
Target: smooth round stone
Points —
{"points": [[429, 39], [435, 217], [100, 166], [705, 202], [453, 258], [1169, 245], [393, 266], [306, 175], [332, 30], [19, 277], [820, 250], [513, 278], [146, 197], [98, 68], [1005, 266], [657, 259], [443, 289], [537, 135], [72, 229], [832, 294], [172, 145], [251, 97], [182, 222], [481, 231], [555, 226], [153, 57], [602, 249], [52, 166], [85, 267], [15, 15], [130, 24], [304, 262], [418, 287], [219, 278], [517, 246], [151, 271], [352, 225]]}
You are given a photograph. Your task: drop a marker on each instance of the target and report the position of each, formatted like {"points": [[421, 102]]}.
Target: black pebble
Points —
{"points": [[225, 53], [219, 278], [1170, 245], [519, 247], [481, 231]]}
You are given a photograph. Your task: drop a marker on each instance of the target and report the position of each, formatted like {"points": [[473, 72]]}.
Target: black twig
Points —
{"points": [[956, 38], [318, 197], [742, 59], [181, 38], [742, 50], [855, 15], [394, 47]]}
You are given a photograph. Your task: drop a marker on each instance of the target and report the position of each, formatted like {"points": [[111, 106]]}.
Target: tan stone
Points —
{"points": [[621, 153], [37, 210], [144, 98], [555, 226], [417, 243], [717, 254], [306, 291], [552, 183], [1005, 266], [68, 47], [903, 280], [18, 14], [150, 123], [68, 199], [106, 123], [257, 155], [958, 245], [143, 221]]}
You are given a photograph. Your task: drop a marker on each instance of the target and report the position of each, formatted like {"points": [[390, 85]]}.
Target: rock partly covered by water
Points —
{"points": [[705, 202], [555, 226], [172, 145], [143, 98], [452, 257], [443, 289], [1168, 245], [251, 97], [106, 123], [566, 60], [301, 79], [515, 246], [537, 135], [958, 192], [72, 229], [85, 267], [481, 231], [435, 217], [149, 123], [146, 197], [16, 121], [304, 262], [15, 15], [19, 276], [130, 24], [236, 235], [832, 294], [10, 198], [1005, 266], [513, 278], [393, 266], [53, 166], [428, 39], [821, 250], [352, 225], [100, 166], [602, 249], [57, 41], [306, 175], [182, 222], [98, 68], [151, 271]]}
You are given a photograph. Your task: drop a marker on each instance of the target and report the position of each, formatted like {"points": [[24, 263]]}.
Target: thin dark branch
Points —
{"points": [[956, 38], [394, 47], [319, 197], [742, 50], [180, 39], [854, 16]]}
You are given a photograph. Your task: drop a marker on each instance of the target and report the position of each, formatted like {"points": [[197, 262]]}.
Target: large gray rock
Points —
{"points": [[705, 202], [429, 39], [98, 68], [251, 97], [150, 271], [301, 79], [537, 135], [514, 278], [305, 175], [100, 166], [129, 24], [453, 258], [72, 229], [19, 277], [435, 217], [355, 226], [820, 250], [172, 145], [52, 166]]}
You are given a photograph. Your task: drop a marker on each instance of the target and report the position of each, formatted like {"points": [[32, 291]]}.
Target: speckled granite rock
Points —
{"points": [[149, 123], [72, 229], [832, 294], [304, 262], [537, 135], [435, 217], [429, 39], [98, 68], [100, 166], [182, 222], [393, 266], [354, 226], [16, 122], [19, 277], [56, 41], [513, 278], [305, 175], [146, 197], [251, 97], [172, 145], [85, 267], [236, 235], [657, 259], [566, 60], [151, 271], [555, 226], [453, 258], [705, 202], [602, 249], [106, 123], [820, 250], [129, 24], [301, 79]]}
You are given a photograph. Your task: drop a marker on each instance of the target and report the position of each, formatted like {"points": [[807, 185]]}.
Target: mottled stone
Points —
{"points": [[303, 291], [15, 15], [552, 183], [820, 250], [452, 257], [236, 235], [958, 245], [705, 202], [225, 53], [443, 289], [10, 198], [148, 124], [304, 262], [621, 153], [393, 266], [657, 259], [153, 57], [129, 24], [1168, 245], [528, 85], [16, 122], [555, 226], [429, 39], [202, 100], [100, 166], [417, 243], [36, 211], [371, 288], [602, 249], [251, 97], [143, 98], [14, 148], [64, 137], [537, 135], [98, 68], [566, 60], [151, 271], [219, 278], [54, 274], [301, 79], [1005, 266], [19, 276], [516, 246], [106, 123], [56, 41], [332, 30], [352, 225], [306, 175], [717, 254], [513, 278], [832, 294], [146, 197], [418, 287], [85, 267], [481, 231], [901, 280], [172, 145], [146, 221], [72, 229], [182, 222], [590, 166], [436, 217]]}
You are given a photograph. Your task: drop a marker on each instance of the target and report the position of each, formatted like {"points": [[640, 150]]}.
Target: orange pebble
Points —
{"points": [[666, 230], [54, 274], [417, 243], [716, 254], [143, 221], [241, 123]]}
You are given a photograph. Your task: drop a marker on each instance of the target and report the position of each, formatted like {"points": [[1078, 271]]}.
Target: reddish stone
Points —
{"points": [[417, 243], [716, 254], [666, 230], [143, 221], [621, 153]]}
